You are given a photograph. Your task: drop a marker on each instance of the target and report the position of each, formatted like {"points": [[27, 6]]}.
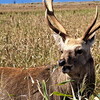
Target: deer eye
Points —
{"points": [[79, 51]]}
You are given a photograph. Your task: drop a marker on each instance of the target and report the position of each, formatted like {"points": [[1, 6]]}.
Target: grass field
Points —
{"points": [[26, 41]]}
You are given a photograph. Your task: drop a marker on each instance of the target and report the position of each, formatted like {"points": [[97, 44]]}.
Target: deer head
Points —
{"points": [[75, 52]]}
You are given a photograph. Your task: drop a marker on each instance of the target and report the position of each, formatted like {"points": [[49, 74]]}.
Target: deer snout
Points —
{"points": [[67, 68], [62, 62]]}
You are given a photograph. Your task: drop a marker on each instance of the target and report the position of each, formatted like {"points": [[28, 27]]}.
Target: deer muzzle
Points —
{"points": [[66, 68]]}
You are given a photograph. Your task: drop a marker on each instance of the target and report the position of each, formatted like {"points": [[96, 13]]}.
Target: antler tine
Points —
{"points": [[47, 5], [54, 28], [50, 13], [96, 27], [87, 33]]}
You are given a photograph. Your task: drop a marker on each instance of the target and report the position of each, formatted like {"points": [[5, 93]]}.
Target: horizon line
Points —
{"points": [[16, 2]]}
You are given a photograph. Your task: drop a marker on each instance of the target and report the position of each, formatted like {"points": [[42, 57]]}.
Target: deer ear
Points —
{"points": [[59, 41], [91, 40]]}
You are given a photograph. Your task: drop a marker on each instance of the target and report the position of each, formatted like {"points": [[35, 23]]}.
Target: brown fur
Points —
{"points": [[17, 82]]}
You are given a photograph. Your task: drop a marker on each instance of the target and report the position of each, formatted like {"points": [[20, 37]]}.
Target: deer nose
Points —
{"points": [[62, 62]]}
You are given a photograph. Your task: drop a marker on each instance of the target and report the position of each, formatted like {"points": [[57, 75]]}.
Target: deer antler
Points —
{"points": [[96, 27], [50, 14]]}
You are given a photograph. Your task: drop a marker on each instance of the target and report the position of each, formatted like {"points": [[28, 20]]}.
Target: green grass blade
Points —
{"points": [[60, 94]]}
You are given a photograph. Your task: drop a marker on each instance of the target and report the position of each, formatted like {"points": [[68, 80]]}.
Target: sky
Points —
{"points": [[30, 1]]}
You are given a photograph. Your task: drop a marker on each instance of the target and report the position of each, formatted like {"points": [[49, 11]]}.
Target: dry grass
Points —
{"points": [[26, 41]]}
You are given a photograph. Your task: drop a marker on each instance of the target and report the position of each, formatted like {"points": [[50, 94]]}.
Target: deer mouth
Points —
{"points": [[67, 69]]}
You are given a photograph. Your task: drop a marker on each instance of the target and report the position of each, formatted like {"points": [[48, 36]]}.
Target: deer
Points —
{"points": [[76, 63]]}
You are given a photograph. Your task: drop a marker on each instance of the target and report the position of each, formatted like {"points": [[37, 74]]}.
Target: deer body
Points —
{"points": [[76, 63], [17, 82]]}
